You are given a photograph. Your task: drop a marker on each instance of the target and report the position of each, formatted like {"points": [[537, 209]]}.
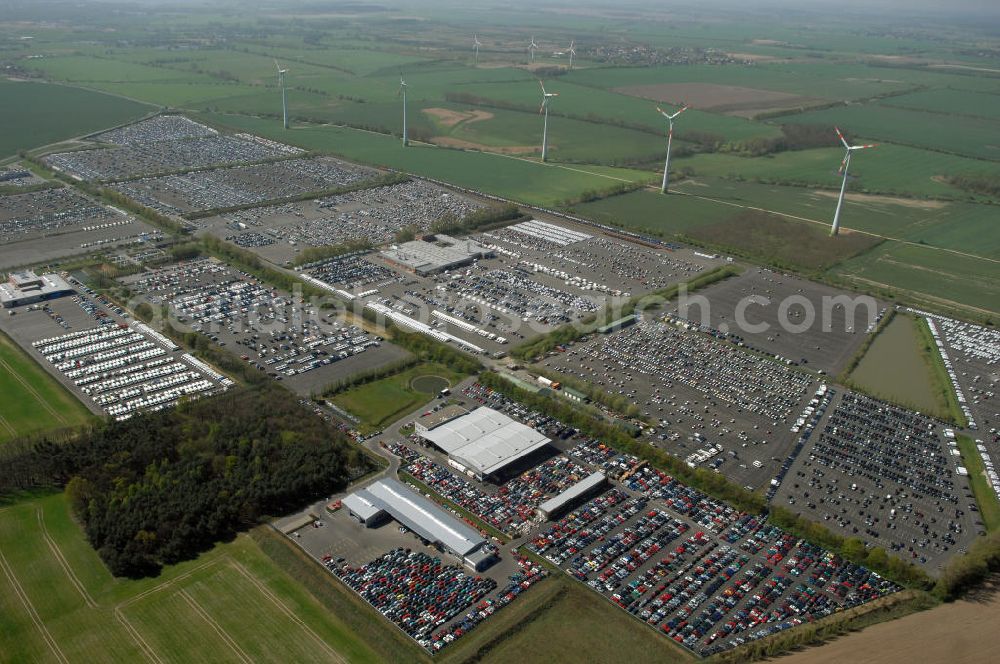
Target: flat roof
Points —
{"points": [[579, 489], [26, 285], [486, 440], [361, 504], [442, 416], [422, 516], [439, 254]]}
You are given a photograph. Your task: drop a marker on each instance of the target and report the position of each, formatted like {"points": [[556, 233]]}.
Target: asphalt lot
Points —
{"points": [[41, 226], [769, 298], [886, 476], [698, 392]]}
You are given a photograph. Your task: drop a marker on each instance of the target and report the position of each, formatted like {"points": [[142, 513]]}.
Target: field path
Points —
{"points": [[57, 553], [334, 655], [166, 584], [32, 613], [204, 615], [144, 646], [31, 390], [6, 425]]}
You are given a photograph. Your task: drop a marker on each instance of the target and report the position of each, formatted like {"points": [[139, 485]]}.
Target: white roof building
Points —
{"points": [[485, 441]]}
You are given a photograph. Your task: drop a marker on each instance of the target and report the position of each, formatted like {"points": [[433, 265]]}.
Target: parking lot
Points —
{"points": [[44, 225], [770, 298], [241, 185], [165, 156], [289, 340], [595, 263], [376, 215], [353, 553], [701, 394], [971, 354], [157, 129], [17, 176], [693, 568], [116, 366], [887, 476]]}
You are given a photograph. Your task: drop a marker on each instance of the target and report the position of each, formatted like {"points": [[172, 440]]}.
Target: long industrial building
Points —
{"points": [[484, 442], [572, 496], [373, 504]]}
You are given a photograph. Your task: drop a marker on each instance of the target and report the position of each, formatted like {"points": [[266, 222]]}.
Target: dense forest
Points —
{"points": [[162, 487]]}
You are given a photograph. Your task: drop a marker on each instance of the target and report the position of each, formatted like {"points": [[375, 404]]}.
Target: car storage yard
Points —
{"points": [[376, 215], [47, 224], [288, 339], [693, 568], [700, 394], [539, 277], [198, 191], [114, 365]]}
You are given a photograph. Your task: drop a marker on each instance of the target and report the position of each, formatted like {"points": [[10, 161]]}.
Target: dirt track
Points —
{"points": [[964, 632]]}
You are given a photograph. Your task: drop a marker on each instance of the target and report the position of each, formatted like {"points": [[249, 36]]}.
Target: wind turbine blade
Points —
{"points": [[841, 136], [681, 111], [543, 86]]}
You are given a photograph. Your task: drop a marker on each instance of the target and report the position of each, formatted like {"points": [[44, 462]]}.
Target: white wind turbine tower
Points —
{"points": [[546, 96], [402, 91], [476, 44], [844, 165], [572, 52], [284, 98], [532, 47], [670, 140]]}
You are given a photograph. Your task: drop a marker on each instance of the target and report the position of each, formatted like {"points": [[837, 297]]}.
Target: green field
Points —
{"points": [[986, 497], [823, 81], [961, 226], [970, 136], [382, 401], [918, 271], [582, 101], [36, 114], [894, 369], [33, 401], [590, 627], [59, 603], [890, 169], [953, 102]]}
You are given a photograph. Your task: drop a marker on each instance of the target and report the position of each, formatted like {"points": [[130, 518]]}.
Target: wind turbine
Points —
{"points": [[844, 165], [532, 47], [546, 96], [402, 91], [476, 44], [284, 98], [572, 52], [670, 140]]}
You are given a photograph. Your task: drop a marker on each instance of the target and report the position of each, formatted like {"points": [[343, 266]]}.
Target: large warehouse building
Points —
{"points": [[484, 442], [388, 498], [435, 253]]}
